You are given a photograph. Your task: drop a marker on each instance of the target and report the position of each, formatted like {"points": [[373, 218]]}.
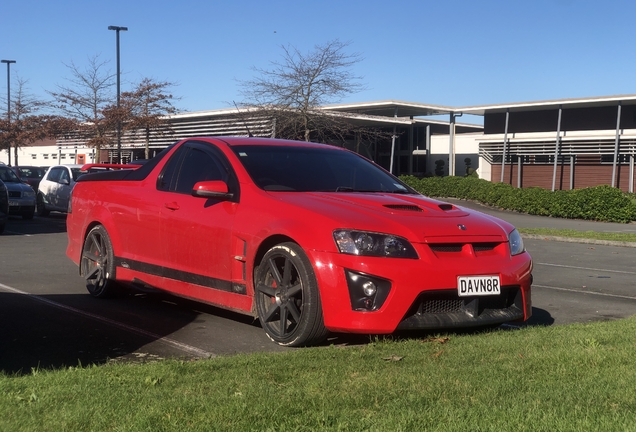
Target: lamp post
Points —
{"points": [[8, 62], [117, 30]]}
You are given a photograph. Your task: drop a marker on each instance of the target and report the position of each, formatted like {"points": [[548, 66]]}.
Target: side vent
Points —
{"points": [[405, 207]]}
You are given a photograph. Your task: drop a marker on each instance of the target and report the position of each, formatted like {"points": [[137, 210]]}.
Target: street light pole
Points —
{"points": [[117, 30], [8, 62]]}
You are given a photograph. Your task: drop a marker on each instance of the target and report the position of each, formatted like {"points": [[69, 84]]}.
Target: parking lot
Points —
{"points": [[49, 320]]}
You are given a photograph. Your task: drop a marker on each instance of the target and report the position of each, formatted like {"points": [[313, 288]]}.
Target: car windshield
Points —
{"points": [[32, 172], [8, 176], [77, 173], [315, 169]]}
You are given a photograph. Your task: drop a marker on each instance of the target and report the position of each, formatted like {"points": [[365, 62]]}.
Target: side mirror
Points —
{"points": [[216, 189], [65, 181]]}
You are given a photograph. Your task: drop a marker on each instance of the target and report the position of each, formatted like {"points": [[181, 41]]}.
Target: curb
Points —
{"points": [[579, 240]]}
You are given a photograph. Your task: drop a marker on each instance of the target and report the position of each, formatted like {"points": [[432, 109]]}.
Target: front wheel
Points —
{"points": [[287, 297], [40, 206], [98, 263]]}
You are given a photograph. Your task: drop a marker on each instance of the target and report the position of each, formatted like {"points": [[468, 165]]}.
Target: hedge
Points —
{"points": [[600, 203]]}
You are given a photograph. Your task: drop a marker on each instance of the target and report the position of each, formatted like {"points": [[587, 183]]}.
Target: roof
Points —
{"points": [[387, 108], [600, 101]]}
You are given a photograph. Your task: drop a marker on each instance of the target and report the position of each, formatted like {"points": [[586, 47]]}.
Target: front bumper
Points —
{"points": [[20, 205], [423, 292]]}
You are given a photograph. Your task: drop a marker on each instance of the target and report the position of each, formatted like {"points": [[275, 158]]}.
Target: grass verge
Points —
{"points": [[561, 378], [594, 235]]}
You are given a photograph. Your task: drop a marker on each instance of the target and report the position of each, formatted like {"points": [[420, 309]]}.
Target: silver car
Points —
{"points": [[21, 195], [55, 188]]}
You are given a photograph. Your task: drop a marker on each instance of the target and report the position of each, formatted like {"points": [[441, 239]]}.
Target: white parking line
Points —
{"points": [[586, 268], [168, 341], [584, 292]]}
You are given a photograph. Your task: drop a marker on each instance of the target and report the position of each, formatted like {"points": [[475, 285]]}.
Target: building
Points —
{"points": [[558, 144]]}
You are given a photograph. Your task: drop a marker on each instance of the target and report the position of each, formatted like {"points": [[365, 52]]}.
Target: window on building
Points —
{"points": [[544, 159]]}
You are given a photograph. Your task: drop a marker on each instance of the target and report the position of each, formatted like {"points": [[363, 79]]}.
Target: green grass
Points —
{"points": [[594, 235], [561, 378]]}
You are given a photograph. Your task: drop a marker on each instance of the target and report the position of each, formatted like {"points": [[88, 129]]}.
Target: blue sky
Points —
{"points": [[439, 52]]}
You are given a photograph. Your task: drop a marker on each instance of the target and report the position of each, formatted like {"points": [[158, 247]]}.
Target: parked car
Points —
{"points": [[21, 195], [309, 238], [55, 188], [4, 206], [30, 174]]}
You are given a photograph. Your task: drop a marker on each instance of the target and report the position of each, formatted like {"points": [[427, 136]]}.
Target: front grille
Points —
{"points": [[478, 248], [445, 309], [446, 247], [441, 306], [484, 247], [15, 194]]}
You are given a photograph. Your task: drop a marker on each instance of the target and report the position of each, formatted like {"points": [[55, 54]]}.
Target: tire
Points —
{"points": [[98, 263], [40, 207], [287, 297], [28, 215]]}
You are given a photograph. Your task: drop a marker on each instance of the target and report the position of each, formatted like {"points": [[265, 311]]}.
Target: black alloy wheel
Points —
{"points": [[97, 263], [287, 297]]}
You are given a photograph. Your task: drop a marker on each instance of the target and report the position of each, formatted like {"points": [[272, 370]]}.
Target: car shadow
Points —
{"points": [[53, 223], [37, 336]]}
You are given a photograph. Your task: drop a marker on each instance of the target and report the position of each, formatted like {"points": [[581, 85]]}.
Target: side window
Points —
{"points": [[64, 176], [166, 180], [54, 175], [198, 166]]}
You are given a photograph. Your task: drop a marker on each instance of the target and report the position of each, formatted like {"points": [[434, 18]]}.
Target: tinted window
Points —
{"points": [[77, 173], [189, 165], [6, 175], [313, 169], [197, 166], [54, 174]]}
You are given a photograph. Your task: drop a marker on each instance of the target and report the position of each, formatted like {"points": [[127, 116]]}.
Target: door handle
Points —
{"points": [[172, 206]]}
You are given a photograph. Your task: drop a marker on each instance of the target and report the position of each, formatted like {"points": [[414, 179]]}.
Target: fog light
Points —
{"points": [[366, 292], [369, 289]]}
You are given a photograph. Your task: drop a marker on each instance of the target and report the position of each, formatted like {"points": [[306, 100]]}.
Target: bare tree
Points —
{"points": [[84, 99], [292, 92], [144, 109], [27, 125]]}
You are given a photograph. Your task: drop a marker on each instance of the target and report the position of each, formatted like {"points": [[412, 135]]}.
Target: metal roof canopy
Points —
{"points": [[391, 108], [590, 102]]}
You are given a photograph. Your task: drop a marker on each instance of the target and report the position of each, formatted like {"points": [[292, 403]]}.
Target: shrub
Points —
{"points": [[601, 203]]}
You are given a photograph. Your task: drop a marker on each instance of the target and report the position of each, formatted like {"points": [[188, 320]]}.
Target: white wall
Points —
{"points": [[47, 155]]}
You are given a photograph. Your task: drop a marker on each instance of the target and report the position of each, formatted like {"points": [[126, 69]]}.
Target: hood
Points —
{"points": [[415, 217], [17, 186]]}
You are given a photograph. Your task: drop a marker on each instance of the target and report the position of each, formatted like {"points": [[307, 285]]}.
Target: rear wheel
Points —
{"points": [[287, 297], [98, 263]]}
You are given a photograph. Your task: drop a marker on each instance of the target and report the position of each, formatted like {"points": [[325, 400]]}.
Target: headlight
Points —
{"points": [[373, 244], [28, 193], [516, 243]]}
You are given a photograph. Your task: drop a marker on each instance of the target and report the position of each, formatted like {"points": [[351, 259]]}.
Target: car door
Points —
{"points": [[49, 187], [197, 232], [63, 189]]}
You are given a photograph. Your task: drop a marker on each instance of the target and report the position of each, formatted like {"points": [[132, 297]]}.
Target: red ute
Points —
{"points": [[309, 238]]}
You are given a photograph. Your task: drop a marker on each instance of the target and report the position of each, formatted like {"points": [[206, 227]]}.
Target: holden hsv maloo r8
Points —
{"points": [[309, 238]]}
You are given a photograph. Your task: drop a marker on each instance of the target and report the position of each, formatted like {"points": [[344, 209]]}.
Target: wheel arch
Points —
{"points": [[266, 245], [103, 220]]}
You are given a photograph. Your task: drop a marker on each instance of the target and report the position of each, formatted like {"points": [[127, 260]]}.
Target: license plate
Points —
{"points": [[468, 286], [13, 204]]}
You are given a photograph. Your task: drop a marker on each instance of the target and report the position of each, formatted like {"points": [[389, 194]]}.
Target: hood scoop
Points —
{"points": [[405, 207]]}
